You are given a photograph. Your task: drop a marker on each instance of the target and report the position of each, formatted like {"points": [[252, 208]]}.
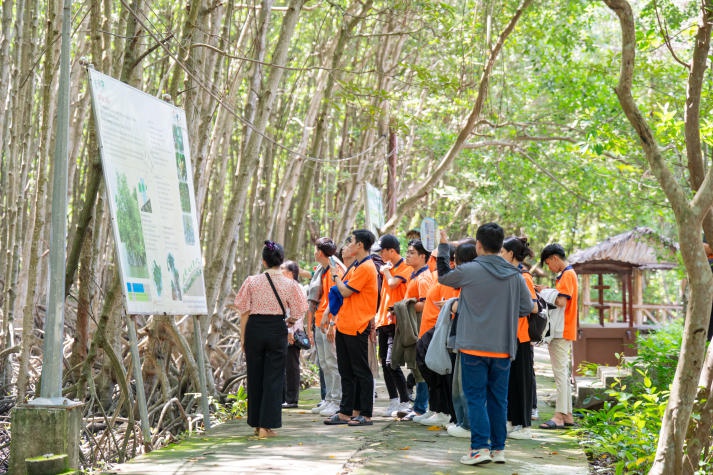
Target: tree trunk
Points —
{"points": [[689, 216]]}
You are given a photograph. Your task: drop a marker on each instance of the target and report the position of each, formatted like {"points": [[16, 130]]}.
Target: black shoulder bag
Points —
{"points": [[301, 338]]}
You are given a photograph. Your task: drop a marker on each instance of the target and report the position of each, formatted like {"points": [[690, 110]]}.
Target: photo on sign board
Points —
{"points": [[157, 277], [181, 166], [185, 197], [178, 138], [176, 292], [188, 232], [131, 235]]}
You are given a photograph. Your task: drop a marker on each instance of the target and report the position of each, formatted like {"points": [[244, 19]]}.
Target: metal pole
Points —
{"points": [[140, 392], [201, 371], [51, 386]]}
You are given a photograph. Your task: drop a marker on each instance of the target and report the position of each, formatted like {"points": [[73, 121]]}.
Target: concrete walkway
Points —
{"points": [[306, 446]]}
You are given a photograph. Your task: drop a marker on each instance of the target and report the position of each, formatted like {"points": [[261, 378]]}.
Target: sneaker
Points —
{"points": [[498, 456], [511, 427], [458, 431], [508, 426], [523, 433], [318, 407], [535, 415], [410, 416], [393, 407], [475, 457], [420, 417], [436, 419], [329, 409], [403, 409]]}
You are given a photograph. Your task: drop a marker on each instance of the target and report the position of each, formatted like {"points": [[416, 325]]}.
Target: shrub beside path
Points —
{"points": [[306, 446]]}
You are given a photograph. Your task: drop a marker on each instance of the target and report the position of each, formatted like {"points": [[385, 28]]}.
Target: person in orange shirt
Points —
{"points": [[352, 328], [421, 281], [515, 250], [440, 397], [561, 348], [396, 275]]}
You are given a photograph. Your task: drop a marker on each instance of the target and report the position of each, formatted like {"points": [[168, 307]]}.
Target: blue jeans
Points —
{"points": [[420, 402], [485, 384]]}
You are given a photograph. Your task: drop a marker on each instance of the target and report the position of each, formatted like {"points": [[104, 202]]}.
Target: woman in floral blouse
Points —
{"points": [[263, 326]]}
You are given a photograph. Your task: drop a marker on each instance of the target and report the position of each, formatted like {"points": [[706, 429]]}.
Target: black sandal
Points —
{"points": [[335, 420]]}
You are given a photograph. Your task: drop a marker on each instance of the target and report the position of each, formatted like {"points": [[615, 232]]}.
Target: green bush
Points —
{"points": [[658, 352], [626, 432], [235, 407]]}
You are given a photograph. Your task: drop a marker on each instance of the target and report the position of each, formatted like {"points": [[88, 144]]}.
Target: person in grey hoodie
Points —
{"points": [[493, 296]]}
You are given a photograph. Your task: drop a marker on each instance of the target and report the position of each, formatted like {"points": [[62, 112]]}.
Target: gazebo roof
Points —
{"points": [[640, 248]]}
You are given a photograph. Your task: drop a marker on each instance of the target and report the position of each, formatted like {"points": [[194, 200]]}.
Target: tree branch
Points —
{"points": [[424, 187]]}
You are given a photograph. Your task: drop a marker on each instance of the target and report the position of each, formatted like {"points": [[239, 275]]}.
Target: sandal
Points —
{"points": [[551, 425], [335, 420], [360, 421]]}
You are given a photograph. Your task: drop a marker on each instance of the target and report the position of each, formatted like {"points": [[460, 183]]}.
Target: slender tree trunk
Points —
{"points": [[689, 216], [220, 269]]}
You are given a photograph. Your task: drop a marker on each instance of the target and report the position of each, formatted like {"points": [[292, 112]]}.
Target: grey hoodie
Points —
{"points": [[493, 296]]}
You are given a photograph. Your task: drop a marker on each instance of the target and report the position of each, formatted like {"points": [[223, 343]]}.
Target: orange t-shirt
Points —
{"points": [[432, 266], [437, 293], [360, 307], [523, 329], [326, 284], [421, 281], [486, 354], [567, 287], [389, 295]]}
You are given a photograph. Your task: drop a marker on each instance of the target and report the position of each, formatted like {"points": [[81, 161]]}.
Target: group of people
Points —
{"points": [[468, 298]]}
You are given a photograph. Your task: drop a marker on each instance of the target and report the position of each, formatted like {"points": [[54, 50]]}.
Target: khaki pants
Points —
{"points": [[561, 358]]}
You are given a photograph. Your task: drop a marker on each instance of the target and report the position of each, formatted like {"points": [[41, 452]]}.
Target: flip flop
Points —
{"points": [[550, 425], [335, 420], [360, 421], [569, 424]]}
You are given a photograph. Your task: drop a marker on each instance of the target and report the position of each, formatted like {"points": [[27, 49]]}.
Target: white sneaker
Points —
{"points": [[318, 407], [404, 408], [511, 427], [329, 409], [458, 431], [393, 407], [410, 416], [523, 433], [535, 415], [508, 426], [498, 456], [436, 419], [475, 457], [420, 417]]}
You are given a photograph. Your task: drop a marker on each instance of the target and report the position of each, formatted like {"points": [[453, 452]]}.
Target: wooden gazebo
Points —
{"points": [[628, 256]]}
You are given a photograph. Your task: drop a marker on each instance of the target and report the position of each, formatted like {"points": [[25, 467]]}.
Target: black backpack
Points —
{"points": [[539, 322]]}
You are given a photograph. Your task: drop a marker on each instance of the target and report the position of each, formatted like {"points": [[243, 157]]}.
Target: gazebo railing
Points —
{"points": [[645, 314]]}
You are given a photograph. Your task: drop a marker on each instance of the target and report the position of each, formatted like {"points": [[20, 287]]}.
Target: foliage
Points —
{"points": [[626, 431], [235, 407], [658, 352]]}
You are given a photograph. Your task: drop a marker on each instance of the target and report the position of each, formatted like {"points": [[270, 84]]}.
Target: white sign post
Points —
{"points": [[147, 170], [374, 209]]}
